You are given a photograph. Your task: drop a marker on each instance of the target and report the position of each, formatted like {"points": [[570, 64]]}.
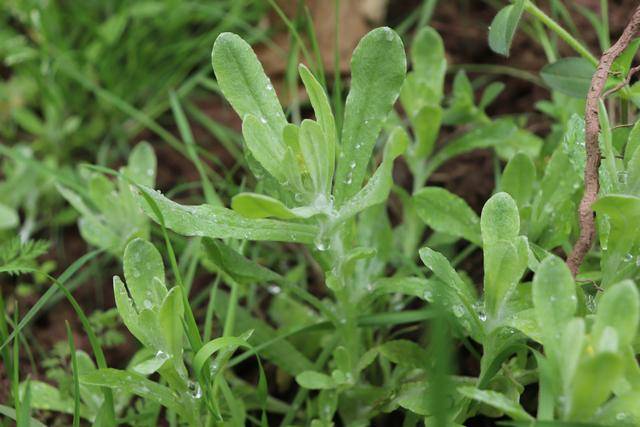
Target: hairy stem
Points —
{"points": [[592, 131]]}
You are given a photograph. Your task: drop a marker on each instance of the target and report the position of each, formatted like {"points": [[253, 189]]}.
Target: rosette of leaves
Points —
{"points": [[311, 175], [110, 216]]}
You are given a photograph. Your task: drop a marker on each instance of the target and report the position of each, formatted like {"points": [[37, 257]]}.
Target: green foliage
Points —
{"points": [[347, 291], [109, 214], [504, 26]]}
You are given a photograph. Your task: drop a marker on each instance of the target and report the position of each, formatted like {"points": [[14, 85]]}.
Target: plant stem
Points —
{"points": [[561, 32], [592, 132], [604, 14]]}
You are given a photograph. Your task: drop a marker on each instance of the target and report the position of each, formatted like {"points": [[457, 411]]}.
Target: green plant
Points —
{"points": [[109, 214], [355, 330]]}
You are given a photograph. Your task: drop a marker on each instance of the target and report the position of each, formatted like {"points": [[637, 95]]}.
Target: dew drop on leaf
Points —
{"points": [[274, 289], [622, 177], [195, 390], [388, 33], [458, 310]]}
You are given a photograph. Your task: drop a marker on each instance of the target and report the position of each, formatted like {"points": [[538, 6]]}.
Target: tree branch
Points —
{"points": [[592, 131]]}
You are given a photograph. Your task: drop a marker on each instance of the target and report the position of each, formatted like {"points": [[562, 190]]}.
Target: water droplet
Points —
{"points": [[349, 179], [194, 390], [458, 310], [388, 34], [621, 416], [320, 245], [622, 177], [274, 289]]}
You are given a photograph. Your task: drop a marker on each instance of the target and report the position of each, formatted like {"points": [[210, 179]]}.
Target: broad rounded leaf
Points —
{"points": [[503, 27], [619, 308], [499, 219], [144, 274], [571, 76]]}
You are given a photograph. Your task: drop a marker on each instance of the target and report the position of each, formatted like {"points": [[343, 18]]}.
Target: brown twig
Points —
{"points": [[592, 130]]}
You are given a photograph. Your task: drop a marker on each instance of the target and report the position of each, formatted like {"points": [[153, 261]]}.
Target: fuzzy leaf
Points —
{"points": [[378, 68], [505, 253], [379, 185], [142, 165], [554, 301], [219, 222], [241, 268], [618, 308], [170, 319], [319, 155], [253, 205], [448, 213], [322, 109], [244, 84], [144, 274]]}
